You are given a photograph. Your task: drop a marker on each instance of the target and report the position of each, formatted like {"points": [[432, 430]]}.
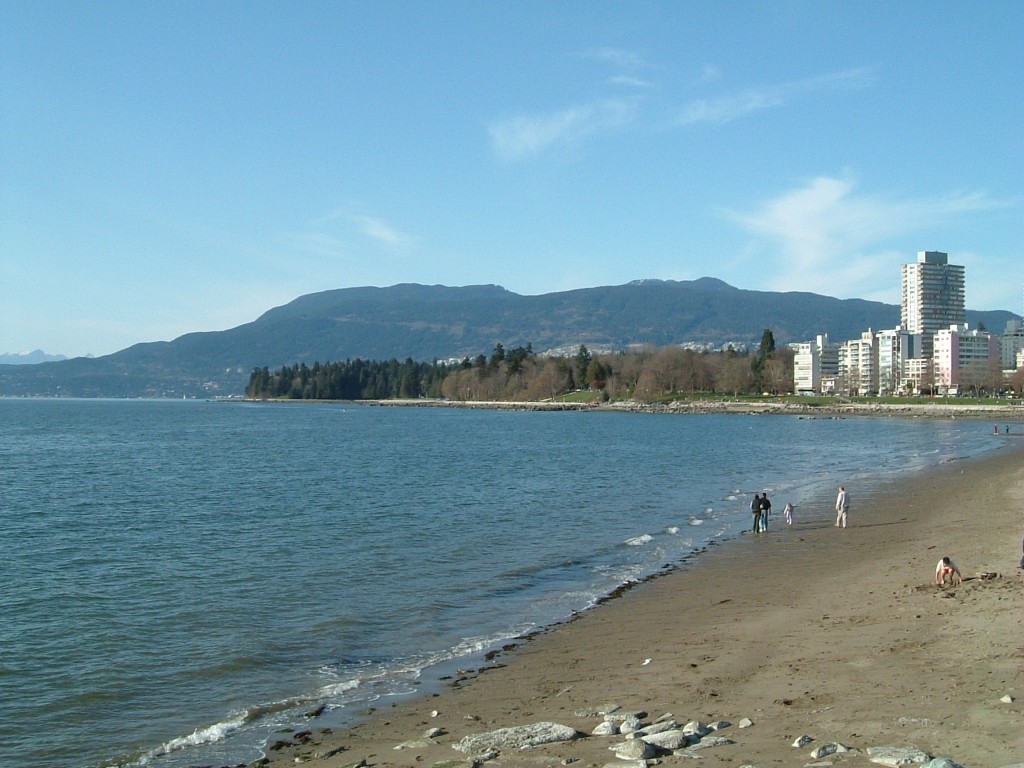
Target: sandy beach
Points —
{"points": [[836, 634]]}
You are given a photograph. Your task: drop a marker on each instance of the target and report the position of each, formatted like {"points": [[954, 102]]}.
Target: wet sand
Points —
{"points": [[838, 634]]}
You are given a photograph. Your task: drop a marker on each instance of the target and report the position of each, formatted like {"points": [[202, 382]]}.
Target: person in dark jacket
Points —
{"points": [[766, 510]]}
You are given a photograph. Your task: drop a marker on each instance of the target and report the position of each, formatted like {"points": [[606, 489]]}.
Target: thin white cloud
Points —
{"points": [[617, 57], [709, 72], [824, 237], [732, 106], [381, 231], [524, 136], [319, 244], [629, 81], [727, 108], [373, 227]]}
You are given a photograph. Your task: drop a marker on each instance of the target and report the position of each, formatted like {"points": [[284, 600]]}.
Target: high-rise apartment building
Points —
{"points": [[933, 297], [815, 366], [858, 365], [1011, 342], [896, 348], [964, 357]]}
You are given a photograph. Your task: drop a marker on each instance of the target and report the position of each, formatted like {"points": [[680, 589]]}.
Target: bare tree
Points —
{"points": [[734, 376], [1017, 381], [972, 376], [995, 381]]}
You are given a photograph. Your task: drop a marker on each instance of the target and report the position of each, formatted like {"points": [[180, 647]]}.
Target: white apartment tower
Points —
{"points": [[933, 297], [858, 365], [896, 348]]}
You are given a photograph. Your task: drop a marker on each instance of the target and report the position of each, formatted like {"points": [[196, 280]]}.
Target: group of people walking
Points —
{"points": [[761, 509]]}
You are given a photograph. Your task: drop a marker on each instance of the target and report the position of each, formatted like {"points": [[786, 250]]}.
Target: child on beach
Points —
{"points": [[787, 513], [946, 568]]}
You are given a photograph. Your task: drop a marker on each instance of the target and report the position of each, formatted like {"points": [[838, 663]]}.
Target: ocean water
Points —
{"points": [[180, 580]]}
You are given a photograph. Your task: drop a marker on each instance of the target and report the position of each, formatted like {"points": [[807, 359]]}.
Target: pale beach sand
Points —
{"points": [[836, 634]]}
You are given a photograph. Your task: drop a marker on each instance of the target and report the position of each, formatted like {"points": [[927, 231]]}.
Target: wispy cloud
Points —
{"points": [[616, 57], [732, 106], [373, 227], [381, 231], [709, 72], [629, 81], [317, 244], [524, 136], [826, 238], [727, 108]]}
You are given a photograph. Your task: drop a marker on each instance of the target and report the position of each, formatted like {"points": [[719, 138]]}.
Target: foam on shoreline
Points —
{"points": [[833, 632]]}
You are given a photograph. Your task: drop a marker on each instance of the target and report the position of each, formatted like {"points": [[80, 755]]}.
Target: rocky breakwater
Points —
{"points": [[831, 410]]}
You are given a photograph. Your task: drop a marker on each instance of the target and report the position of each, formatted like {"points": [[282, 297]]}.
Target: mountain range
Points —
{"points": [[29, 358], [441, 322]]}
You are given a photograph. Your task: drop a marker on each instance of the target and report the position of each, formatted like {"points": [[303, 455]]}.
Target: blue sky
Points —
{"points": [[184, 166]]}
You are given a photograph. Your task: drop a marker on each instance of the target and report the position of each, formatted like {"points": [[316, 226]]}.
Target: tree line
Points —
{"points": [[350, 380], [519, 374]]}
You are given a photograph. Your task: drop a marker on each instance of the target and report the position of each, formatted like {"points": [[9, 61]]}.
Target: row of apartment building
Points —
{"points": [[932, 350]]}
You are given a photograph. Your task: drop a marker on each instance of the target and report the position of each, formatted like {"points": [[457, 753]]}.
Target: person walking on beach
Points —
{"points": [[787, 513], [766, 510], [755, 508], [842, 507], [946, 568]]}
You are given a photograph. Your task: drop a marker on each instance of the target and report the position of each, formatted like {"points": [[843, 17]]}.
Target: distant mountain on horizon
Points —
{"points": [[29, 358], [440, 322]]}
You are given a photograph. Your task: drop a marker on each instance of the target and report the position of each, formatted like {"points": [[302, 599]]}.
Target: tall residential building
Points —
{"points": [[933, 297], [806, 368], [815, 366], [963, 358], [858, 365], [1011, 342], [895, 348]]}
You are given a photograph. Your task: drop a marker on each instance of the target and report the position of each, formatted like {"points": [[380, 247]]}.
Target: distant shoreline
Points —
{"points": [[940, 411]]}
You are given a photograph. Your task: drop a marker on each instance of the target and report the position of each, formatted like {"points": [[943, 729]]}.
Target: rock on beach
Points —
{"points": [[516, 737]]}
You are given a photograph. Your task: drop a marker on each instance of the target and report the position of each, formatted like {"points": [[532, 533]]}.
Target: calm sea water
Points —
{"points": [[179, 580]]}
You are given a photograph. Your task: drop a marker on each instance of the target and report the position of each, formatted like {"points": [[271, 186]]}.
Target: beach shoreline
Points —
{"points": [[837, 634], [1012, 414]]}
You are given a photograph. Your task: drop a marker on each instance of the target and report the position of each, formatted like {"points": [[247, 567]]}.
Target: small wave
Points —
{"points": [[696, 521], [672, 529], [639, 541], [336, 689], [262, 710], [472, 645], [208, 735], [220, 731]]}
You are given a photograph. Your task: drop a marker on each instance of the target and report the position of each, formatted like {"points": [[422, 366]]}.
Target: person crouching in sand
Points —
{"points": [[946, 568]]}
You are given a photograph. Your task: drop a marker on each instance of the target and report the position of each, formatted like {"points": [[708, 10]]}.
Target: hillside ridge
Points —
{"points": [[428, 322]]}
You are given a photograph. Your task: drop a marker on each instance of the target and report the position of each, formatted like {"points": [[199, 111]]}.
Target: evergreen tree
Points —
{"points": [[583, 359], [767, 345]]}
